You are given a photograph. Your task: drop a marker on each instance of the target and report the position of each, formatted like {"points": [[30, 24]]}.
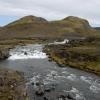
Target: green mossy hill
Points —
{"points": [[28, 19], [37, 27], [76, 22], [12, 85], [81, 55]]}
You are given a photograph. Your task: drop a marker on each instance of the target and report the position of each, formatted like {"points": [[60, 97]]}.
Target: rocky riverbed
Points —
{"points": [[46, 80], [12, 83]]}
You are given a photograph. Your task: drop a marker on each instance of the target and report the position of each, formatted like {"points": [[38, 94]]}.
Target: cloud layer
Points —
{"points": [[52, 9]]}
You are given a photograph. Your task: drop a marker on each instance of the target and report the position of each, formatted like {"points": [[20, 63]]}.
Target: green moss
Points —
{"points": [[85, 57]]}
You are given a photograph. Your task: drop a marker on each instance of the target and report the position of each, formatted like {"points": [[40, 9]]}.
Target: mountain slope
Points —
{"points": [[31, 26], [28, 19]]}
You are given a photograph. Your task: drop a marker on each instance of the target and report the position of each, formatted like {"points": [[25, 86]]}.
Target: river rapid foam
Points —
{"points": [[27, 52]]}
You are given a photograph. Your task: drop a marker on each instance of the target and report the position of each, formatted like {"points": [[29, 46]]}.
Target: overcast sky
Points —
{"points": [[11, 10]]}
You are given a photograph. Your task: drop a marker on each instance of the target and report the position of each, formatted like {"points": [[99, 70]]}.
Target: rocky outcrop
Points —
{"points": [[12, 85], [4, 53]]}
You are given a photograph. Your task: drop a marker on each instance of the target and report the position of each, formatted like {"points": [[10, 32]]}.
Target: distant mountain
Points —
{"points": [[28, 19], [97, 28], [0, 28], [77, 22], [32, 26]]}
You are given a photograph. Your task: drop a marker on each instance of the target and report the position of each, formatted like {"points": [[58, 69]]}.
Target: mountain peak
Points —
{"points": [[77, 22], [29, 19], [32, 18]]}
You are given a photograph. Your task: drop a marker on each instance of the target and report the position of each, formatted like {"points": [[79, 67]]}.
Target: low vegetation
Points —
{"points": [[37, 27], [83, 55], [12, 85]]}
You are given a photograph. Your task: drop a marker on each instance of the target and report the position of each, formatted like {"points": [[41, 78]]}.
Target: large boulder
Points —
{"points": [[4, 53]]}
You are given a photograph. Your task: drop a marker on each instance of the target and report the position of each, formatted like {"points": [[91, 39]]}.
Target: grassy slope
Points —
{"points": [[82, 56], [31, 26], [9, 79]]}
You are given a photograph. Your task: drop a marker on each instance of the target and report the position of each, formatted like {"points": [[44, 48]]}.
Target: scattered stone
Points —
{"points": [[38, 83], [62, 96], [40, 92], [25, 53], [39, 89], [71, 96], [32, 83], [48, 88], [45, 98]]}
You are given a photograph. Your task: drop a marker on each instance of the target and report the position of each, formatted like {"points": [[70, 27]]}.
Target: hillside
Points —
{"points": [[81, 54], [28, 19], [37, 27]]}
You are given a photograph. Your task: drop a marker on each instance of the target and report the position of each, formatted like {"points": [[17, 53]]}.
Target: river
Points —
{"points": [[36, 67]]}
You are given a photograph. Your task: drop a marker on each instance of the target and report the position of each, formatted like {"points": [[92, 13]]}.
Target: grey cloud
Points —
{"points": [[52, 9]]}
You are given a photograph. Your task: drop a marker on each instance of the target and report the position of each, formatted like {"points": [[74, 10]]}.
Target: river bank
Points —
{"points": [[12, 85], [82, 54], [49, 77]]}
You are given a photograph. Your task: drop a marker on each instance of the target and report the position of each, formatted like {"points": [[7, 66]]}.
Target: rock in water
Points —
{"points": [[40, 91], [25, 53], [4, 53]]}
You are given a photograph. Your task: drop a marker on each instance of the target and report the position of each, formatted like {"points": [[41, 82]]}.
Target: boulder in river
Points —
{"points": [[71, 96], [45, 98], [4, 53], [39, 89], [25, 53]]}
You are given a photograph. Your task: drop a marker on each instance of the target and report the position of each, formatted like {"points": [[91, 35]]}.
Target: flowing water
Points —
{"points": [[35, 64]]}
